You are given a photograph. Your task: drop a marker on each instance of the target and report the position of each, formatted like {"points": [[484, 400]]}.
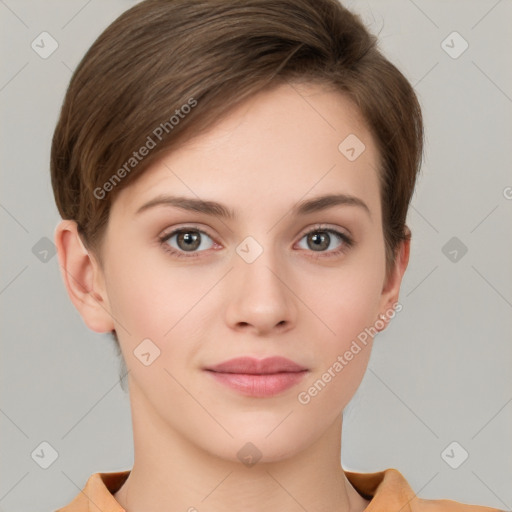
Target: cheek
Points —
{"points": [[149, 296], [348, 315], [346, 307], [150, 299], [152, 308], [347, 299], [343, 342]]}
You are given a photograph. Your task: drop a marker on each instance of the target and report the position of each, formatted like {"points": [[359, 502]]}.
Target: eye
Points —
{"points": [[320, 238], [187, 240]]}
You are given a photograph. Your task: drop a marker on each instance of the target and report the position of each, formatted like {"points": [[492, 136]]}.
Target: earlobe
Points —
{"points": [[391, 288], [83, 278]]}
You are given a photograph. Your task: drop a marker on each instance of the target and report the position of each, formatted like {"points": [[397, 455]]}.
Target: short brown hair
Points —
{"points": [[162, 55]]}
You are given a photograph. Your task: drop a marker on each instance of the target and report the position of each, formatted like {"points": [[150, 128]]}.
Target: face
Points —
{"points": [[286, 275]]}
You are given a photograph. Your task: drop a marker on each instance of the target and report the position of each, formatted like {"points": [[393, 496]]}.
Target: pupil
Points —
{"points": [[191, 241], [318, 239]]}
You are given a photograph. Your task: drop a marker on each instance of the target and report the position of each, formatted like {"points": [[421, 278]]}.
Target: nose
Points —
{"points": [[260, 292]]}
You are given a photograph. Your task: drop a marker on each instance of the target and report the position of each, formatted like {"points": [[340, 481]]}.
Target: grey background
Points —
{"points": [[441, 371]]}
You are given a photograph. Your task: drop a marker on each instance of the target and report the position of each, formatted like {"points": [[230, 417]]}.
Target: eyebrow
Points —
{"points": [[216, 209]]}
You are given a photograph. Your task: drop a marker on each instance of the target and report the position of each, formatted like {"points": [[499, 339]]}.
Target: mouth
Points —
{"points": [[258, 378], [253, 366]]}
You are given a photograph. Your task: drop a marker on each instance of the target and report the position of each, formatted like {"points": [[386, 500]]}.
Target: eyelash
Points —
{"points": [[348, 242]]}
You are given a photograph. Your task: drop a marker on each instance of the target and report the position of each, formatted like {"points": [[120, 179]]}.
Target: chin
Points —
{"points": [[255, 445]]}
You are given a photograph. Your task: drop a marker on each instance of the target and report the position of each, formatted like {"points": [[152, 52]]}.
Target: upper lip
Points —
{"points": [[250, 365]]}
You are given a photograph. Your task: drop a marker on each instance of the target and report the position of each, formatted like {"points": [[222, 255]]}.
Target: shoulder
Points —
{"points": [[97, 493], [450, 506], [389, 490]]}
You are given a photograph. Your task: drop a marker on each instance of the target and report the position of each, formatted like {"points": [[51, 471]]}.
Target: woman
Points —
{"points": [[234, 179]]}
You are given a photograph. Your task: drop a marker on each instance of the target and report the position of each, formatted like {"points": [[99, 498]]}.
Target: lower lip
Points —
{"points": [[259, 385]]}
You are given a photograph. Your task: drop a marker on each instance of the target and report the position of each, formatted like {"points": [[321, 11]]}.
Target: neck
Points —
{"points": [[171, 474]]}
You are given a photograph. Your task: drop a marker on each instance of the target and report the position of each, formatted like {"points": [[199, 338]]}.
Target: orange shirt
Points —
{"points": [[388, 491]]}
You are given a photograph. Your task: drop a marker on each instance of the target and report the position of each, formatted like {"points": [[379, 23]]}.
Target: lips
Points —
{"points": [[258, 378], [252, 366]]}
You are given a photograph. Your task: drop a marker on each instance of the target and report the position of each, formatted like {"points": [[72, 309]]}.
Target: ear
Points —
{"points": [[83, 278], [391, 288]]}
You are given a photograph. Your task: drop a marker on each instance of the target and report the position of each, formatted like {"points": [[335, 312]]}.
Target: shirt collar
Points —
{"points": [[387, 490]]}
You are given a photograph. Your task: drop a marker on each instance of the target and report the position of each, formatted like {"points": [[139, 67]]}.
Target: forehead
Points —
{"points": [[280, 146]]}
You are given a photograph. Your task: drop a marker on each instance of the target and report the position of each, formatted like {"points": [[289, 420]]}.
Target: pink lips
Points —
{"points": [[258, 378]]}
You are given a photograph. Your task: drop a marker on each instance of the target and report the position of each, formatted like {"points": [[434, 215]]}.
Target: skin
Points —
{"points": [[273, 151]]}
